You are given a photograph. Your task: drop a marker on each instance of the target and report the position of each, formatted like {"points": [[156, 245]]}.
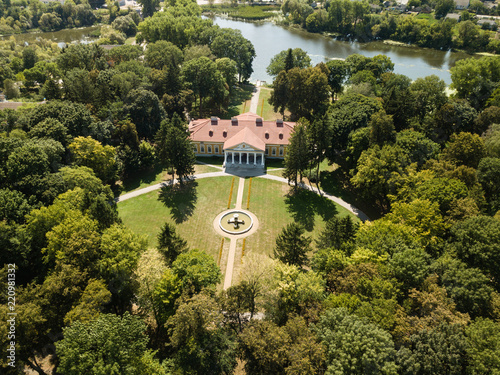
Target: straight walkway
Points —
{"points": [[254, 103], [228, 279]]}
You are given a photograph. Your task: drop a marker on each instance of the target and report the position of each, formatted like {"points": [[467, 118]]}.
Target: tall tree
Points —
{"points": [[149, 7], [170, 244], [110, 344], [292, 246], [174, 147], [288, 59], [355, 346], [297, 155]]}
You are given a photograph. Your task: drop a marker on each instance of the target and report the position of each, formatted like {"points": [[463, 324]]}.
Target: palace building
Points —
{"points": [[245, 140]]}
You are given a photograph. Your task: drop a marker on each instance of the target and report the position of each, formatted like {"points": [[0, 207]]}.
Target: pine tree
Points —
{"points": [[170, 244], [297, 155], [292, 246]]}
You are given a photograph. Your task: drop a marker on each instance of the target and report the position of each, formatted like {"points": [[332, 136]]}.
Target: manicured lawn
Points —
{"points": [[192, 209], [214, 160], [157, 175], [264, 109], [274, 207]]}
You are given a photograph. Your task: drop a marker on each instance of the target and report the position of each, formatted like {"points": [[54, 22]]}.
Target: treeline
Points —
{"points": [[356, 20], [23, 15]]}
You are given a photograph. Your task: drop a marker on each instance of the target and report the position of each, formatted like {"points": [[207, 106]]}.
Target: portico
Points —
{"points": [[244, 149], [245, 158]]}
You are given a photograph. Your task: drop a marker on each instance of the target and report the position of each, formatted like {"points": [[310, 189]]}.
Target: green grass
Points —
{"points": [[274, 207], [429, 17], [243, 11], [239, 100], [214, 160], [157, 175], [144, 179], [192, 209], [264, 109]]}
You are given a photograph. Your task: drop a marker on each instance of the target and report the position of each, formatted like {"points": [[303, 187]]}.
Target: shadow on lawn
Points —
{"points": [[304, 204], [181, 199], [240, 94], [136, 180]]}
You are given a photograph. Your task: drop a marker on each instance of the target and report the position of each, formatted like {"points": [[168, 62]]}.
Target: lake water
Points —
{"points": [[269, 39], [60, 37]]}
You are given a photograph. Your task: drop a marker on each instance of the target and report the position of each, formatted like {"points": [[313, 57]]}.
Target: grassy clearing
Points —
{"points": [[214, 160], [145, 179], [243, 11], [240, 100], [264, 109], [157, 175], [275, 208], [192, 209]]}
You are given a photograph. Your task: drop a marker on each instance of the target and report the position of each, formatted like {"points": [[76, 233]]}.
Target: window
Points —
{"points": [[195, 148], [209, 149], [281, 151], [267, 150], [216, 149], [274, 151], [202, 149]]}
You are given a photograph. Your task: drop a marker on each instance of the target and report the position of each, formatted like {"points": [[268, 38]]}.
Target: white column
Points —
{"points": [[254, 158], [262, 160], [239, 159], [232, 155], [247, 157], [225, 157]]}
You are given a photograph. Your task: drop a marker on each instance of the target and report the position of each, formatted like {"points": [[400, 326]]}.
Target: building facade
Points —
{"points": [[245, 139]]}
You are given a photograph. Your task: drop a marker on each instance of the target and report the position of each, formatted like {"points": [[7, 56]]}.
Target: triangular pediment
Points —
{"points": [[242, 147]]}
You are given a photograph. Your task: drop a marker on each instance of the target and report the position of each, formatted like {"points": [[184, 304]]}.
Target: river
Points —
{"points": [[269, 39]]}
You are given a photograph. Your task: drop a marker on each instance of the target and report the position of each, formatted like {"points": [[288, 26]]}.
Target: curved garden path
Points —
{"points": [[356, 211]]}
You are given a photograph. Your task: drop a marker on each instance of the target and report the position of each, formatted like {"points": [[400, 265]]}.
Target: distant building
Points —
{"points": [[245, 139], [49, 1], [453, 16], [486, 23], [461, 4]]}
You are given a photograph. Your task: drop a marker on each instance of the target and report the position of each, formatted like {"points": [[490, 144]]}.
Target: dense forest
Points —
{"points": [[414, 291]]}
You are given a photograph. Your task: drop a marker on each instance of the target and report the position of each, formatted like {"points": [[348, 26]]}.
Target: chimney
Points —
{"points": [[258, 121], [279, 123], [214, 120], [234, 121]]}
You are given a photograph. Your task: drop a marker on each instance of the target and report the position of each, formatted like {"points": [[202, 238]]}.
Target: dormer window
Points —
{"points": [[279, 123], [214, 120], [210, 133], [258, 122], [281, 135], [224, 133], [267, 135], [234, 121]]}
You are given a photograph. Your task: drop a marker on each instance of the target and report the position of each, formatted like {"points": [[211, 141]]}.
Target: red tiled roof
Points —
{"points": [[269, 132], [245, 136]]}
